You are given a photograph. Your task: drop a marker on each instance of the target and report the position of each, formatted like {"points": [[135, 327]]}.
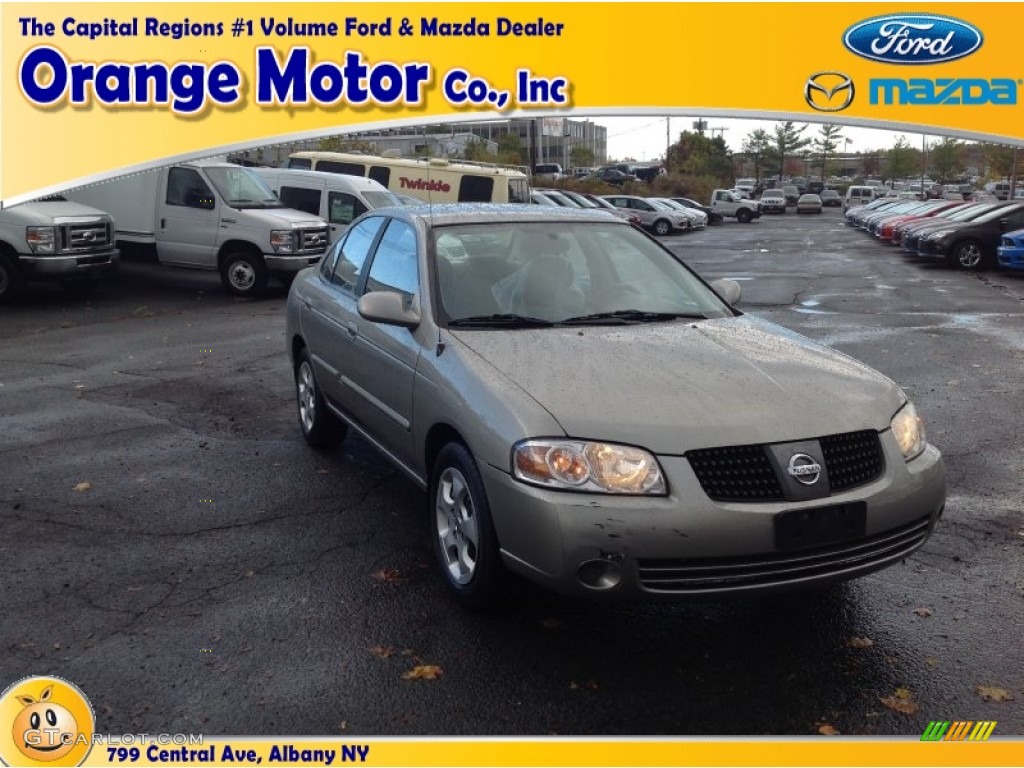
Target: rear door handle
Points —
{"points": [[352, 329]]}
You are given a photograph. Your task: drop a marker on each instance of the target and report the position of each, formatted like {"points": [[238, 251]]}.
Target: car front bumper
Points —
{"points": [[1011, 256], [79, 266], [290, 264], [685, 545], [932, 249]]}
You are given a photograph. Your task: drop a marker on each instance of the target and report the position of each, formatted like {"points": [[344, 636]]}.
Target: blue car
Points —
{"points": [[1011, 250]]}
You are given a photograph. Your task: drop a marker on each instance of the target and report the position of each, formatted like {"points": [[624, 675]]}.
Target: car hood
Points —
{"points": [[672, 387]]}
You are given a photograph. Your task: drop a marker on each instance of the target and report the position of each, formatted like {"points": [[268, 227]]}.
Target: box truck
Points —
{"points": [[211, 215], [54, 240]]}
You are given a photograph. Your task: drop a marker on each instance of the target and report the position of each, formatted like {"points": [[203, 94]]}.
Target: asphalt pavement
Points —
{"points": [[172, 546]]}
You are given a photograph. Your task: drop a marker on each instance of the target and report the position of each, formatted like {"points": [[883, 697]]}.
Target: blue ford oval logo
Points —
{"points": [[913, 39]]}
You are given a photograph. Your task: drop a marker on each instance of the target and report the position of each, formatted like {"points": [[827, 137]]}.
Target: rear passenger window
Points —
{"points": [[395, 265], [354, 250], [301, 199], [475, 189], [343, 208], [303, 163]]}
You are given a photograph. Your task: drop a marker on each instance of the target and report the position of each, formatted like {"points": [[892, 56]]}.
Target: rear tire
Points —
{"points": [[244, 274], [11, 281]]}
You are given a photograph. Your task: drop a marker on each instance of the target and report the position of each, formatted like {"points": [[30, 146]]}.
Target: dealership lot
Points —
{"points": [[174, 548]]}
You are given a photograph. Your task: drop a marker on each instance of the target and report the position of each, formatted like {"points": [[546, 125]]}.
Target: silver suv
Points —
{"points": [[655, 216]]}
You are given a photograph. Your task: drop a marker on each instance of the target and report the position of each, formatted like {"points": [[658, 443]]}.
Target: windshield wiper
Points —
{"points": [[625, 316], [500, 320]]}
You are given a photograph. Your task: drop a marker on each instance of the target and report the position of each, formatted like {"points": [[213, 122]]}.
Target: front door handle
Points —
{"points": [[351, 328]]}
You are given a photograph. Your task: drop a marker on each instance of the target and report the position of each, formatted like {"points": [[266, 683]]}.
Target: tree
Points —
{"points": [[475, 149], [697, 155], [581, 156], [902, 160], [999, 159], [871, 164], [511, 150], [758, 147], [788, 140], [945, 158], [825, 144]]}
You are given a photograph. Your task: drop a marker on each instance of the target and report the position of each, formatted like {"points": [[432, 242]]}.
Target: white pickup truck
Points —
{"points": [[726, 203], [54, 240], [215, 216]]}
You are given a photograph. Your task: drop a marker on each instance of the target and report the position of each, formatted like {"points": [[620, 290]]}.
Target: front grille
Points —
{"points": [[852, 459], [737, 473], [313, 240], [696, 575], [745, 473], [82, 238]]}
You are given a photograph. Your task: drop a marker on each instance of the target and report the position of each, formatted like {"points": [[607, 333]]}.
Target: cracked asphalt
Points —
{"points": [[171, 545]]}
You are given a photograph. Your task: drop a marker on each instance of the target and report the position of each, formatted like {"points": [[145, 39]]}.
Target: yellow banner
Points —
{"points": [[91, 89]]}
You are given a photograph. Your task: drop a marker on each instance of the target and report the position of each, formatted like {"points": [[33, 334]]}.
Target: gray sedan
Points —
{"points": [[585, 411]]}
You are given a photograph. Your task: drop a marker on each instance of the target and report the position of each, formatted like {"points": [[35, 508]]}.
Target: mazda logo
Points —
{"points": [[804, 469], [829, 91]]}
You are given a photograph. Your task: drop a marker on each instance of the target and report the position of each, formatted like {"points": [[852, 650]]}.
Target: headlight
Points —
{"points": [[41, 239], [282, 240], [908, 429], [586, 466]]}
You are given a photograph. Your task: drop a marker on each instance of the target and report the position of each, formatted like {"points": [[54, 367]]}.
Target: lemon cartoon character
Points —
{"points": [[43, 730]]}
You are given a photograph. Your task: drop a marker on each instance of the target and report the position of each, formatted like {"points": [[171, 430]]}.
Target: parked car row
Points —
{"points": [[965, 235], [661, 215]]}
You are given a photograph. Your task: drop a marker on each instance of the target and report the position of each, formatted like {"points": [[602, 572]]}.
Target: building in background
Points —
{"points": [[543, 140]]}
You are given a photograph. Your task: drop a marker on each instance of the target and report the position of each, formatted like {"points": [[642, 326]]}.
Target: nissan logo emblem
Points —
{"points": [[829, 91], [804, 469]]}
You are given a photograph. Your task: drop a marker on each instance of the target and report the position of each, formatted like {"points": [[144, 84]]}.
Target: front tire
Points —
{"points": [[967, 255], [11, 281], [465, 543], [743, 216], [320, 427], [244, 274], [662, 227]]}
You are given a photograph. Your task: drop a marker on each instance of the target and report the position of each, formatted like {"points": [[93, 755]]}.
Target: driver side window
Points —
{"points": [[354, 250]]}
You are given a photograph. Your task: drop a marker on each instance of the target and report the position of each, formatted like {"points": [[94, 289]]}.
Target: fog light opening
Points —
{"points": [[599, 574]]}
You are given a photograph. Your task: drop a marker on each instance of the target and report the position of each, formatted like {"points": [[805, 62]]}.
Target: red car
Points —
{"points": [[889, 226]]}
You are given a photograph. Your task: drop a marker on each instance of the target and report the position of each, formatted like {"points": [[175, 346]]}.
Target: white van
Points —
{"points": [[858, 195], [435, 180], [334, 197]]}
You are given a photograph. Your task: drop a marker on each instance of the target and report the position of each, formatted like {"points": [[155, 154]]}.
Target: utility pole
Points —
{"points": [[668, 140], [1013, 176]]}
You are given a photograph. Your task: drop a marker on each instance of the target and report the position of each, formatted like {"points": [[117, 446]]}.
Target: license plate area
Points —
{"points": [[806, 528]]}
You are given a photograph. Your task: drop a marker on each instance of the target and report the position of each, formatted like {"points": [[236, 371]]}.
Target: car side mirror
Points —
{"points": [[728, 290], [389, 308], [1004, 224]]}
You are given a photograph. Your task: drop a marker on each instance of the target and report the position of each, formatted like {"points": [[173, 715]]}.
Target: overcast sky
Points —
{"points": [[643, 138]]}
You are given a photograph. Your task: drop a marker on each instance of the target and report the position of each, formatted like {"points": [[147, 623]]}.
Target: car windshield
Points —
{"points": [[773, 193], [519, 274], [241, 188], [383, 199]]}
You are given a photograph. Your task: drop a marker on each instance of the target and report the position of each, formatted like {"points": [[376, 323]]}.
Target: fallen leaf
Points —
{"points": [[860, 642], [931, 661], [323, 471], [828, 730], [552, 623], [382, 651], [924, 613], [250, 574], [388, 576], [993, 693], [423, 672], [901, 701], [343, 725], [83, 487]]}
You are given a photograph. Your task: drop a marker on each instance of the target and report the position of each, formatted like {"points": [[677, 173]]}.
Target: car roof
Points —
{"points": [[492, 213]]}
